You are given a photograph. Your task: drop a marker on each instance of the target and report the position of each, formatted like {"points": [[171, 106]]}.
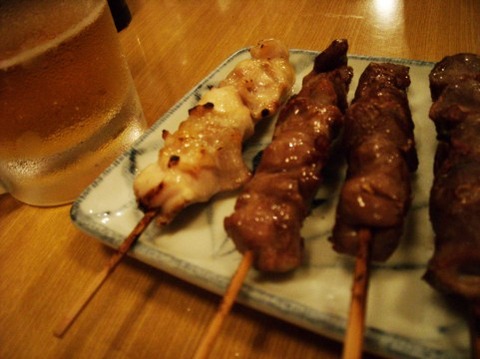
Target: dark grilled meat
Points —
{"points": [[455, 209], [381, 155], [270, 211], [454, 105], [453, 69], [455, 195]]}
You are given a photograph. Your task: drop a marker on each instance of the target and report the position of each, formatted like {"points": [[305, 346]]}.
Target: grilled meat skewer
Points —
{"points": [[269, 213], [455, 194], [203, 157], [265, 226], [376, 195], [381, 156], [454, 268]]}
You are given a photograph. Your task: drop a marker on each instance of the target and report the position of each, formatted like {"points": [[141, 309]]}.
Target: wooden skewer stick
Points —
{"points": [[236, 283], [100, 278], [353, 345]]}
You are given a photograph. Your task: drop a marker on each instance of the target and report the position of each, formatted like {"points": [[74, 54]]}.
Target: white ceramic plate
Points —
{"points": [[406, 318]]}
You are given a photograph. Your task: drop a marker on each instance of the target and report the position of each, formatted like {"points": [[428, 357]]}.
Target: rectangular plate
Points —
{"points": [[405, 317]]}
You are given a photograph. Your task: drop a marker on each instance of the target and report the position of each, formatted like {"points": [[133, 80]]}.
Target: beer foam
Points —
{"points": [[35, 51]]}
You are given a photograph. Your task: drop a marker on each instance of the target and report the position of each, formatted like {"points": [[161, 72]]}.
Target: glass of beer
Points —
{"points": [[68, 105]]}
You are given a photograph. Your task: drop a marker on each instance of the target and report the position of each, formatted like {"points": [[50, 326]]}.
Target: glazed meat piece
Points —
{"points": [[381, 154], [383, 76], [455, 195], [454, 213], [387, 113], [462, 141], [204, 156], [454, 104], [464, 138], [332, 58], [269, 212], [380, 106], [374, 198], [453, 69]]}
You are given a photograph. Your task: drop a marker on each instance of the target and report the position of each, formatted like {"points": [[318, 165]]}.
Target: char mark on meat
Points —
{"points": [[203, 157]]}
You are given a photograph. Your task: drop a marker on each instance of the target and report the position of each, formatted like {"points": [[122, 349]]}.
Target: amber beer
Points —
{"points": [[68, 106]]}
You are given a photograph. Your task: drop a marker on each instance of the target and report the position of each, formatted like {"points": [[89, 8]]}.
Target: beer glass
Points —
{"points": [[68, 105]]}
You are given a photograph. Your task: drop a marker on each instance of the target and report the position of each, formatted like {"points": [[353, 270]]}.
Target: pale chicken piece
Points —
{"points": [[265, 81], [202, 158]]}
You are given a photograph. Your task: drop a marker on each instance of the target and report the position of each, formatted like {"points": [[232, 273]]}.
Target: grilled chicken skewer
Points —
{"points": [[454, 268], [269, 212], [381, 154], [204, 156]]}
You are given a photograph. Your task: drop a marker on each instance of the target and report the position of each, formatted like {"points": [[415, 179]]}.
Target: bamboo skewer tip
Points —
{"points": [[82, 301], [208, 340], [353, 345]]}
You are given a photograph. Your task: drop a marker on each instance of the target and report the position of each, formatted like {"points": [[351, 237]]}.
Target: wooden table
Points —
{"points": [[141, 312]]}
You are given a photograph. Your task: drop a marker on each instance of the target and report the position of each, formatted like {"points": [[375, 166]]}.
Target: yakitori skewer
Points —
{"points": [[380, 149], [204, 156], [269, 212], [454, 268]]}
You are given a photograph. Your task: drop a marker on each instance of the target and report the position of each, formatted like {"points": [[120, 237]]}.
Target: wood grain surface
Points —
{"points": [[141, 312]]}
